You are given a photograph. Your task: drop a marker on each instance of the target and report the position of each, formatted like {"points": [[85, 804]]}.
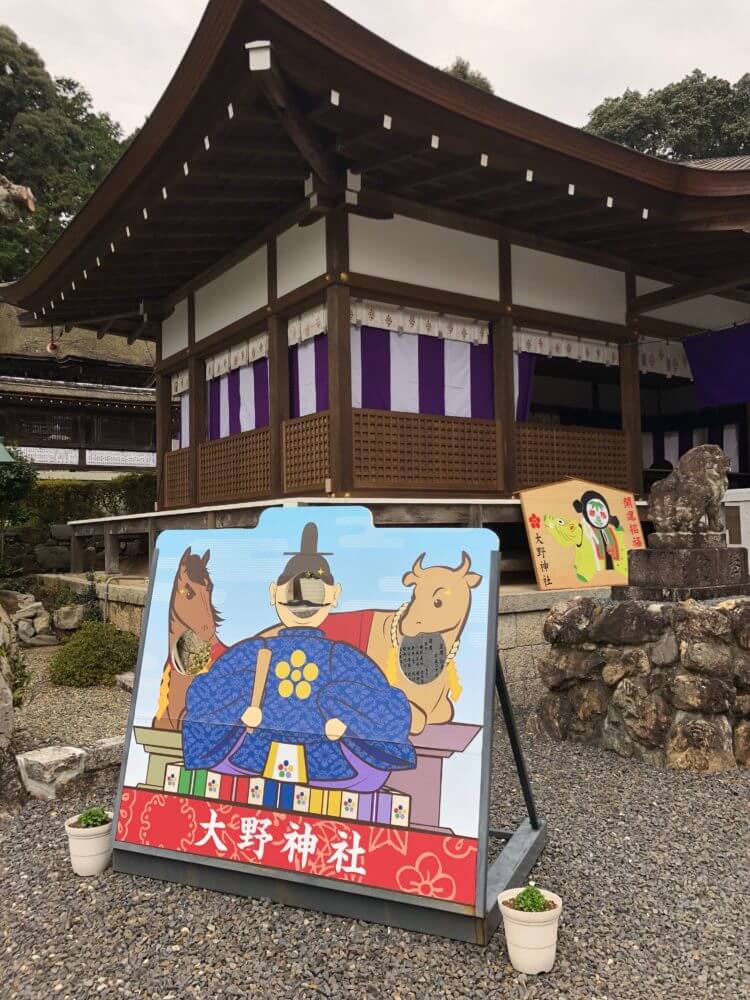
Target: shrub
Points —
{"points": [[57, 501], [94, 655], [94, 816], [530, 900]]}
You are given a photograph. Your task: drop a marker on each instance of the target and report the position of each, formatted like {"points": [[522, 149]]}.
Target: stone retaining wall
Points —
{"points": [[664, 683], [121, 603], [520, 638]]}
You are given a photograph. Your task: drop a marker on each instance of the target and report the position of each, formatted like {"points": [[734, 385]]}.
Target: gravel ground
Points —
{"points": [[65, 716], [652, 867]]}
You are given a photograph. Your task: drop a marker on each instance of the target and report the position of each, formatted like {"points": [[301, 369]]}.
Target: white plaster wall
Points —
{"points": [[558, 284], [710, 311], [300, 256], [235, 293], [174, 331], [402, 249]]}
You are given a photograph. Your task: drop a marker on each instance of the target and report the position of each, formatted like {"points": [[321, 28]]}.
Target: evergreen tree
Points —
{"points": [[462, 70], [696, 118], [52, 140]]}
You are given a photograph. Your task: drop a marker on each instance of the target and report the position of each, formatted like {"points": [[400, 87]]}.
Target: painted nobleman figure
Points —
{"points": [[298, 705]]}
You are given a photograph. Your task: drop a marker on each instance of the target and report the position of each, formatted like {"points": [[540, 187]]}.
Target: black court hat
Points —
{"points": [[308, 561]]}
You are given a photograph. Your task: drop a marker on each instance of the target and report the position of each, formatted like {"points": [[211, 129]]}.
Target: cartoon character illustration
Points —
{"points": [[193, 642], [416, 646], [597, 536], [319, 709]]}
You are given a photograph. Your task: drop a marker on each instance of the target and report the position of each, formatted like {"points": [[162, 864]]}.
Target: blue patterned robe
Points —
{"points": [[311, 680]]}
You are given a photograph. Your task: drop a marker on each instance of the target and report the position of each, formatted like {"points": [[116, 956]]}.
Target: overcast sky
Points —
{"points": [[557, 58]]}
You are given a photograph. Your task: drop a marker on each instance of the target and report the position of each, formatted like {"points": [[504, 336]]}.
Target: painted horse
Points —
{"points": [[193, 621]]}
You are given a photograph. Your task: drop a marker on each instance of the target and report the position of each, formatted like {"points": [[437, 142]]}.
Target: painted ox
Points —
{"points": [[416, 645]]}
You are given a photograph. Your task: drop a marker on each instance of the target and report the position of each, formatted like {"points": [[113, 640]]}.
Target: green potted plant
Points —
{"points": [[90, 840], [531, 917]]}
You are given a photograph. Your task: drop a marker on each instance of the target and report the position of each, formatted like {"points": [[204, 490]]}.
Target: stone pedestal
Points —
{"points": [[698, 566]]}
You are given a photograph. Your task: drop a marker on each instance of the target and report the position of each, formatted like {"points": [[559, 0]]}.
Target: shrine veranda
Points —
{"points": [[404, 287]]}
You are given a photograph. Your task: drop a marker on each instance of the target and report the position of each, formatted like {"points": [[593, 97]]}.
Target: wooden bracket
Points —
{"points": [[275, 88]]}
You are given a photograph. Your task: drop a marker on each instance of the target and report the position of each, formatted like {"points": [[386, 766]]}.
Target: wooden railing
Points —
{"points": [[546, 452], [417, 451], [235, 468], [306, 453], [176, 472]]}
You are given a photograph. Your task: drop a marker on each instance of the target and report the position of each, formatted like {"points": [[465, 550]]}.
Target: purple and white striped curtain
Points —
{"points": [[422, 374], [308, 376], [660, 447], [238, 401]]}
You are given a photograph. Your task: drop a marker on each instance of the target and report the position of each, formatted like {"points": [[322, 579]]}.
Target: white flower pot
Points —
{"points": [[531, 937], [90, 847]]}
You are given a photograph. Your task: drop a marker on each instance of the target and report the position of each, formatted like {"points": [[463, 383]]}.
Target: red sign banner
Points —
{"points": [[401, 860]]}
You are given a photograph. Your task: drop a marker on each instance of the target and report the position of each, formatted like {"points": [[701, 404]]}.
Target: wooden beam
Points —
{"points": [[719, 281], [27, 319], [264, 64]]}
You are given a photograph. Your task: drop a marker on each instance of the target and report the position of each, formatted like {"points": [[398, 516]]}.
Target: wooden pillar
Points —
{"points": [[630, 408], [502, 376], [630, 394], [76, 553], [340, 389], [111, 551], [163, 433], [197, 370], [278, 391], [278, 377], [505, 404], [339, 353]]}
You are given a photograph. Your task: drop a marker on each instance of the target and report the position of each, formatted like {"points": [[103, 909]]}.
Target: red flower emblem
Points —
{"points": [[535, 522]]}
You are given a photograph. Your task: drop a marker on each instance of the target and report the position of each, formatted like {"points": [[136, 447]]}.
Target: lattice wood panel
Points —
{"points": [[307, 463], [406, 451], [547, 452], [177, 478], [235, 468]]}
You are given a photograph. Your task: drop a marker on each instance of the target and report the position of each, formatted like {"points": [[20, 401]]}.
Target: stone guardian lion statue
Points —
{"points": [[690, 498]]}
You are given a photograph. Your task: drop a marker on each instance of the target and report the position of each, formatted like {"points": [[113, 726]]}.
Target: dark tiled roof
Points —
{"points": [[722, 163]]}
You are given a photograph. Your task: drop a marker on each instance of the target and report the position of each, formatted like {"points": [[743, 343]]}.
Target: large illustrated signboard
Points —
{"points": [[313, 704], [580, 533]]}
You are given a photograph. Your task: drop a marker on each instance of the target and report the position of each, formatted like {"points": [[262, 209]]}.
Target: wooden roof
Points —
{"points": [[222, 161]]}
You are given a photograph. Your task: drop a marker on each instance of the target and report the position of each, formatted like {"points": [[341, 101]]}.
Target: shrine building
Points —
{"points": [[366, 278]]}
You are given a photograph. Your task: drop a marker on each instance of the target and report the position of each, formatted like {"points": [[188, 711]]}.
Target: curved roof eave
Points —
{"points": [[374, 54], [341, 35]]}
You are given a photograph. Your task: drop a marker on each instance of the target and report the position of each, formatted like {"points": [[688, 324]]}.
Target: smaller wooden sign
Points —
{"points": [[580, 534]]}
